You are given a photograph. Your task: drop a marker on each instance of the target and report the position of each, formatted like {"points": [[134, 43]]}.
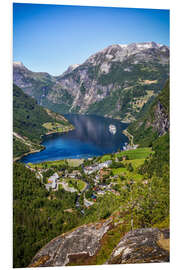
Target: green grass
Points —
{"points": [[119, 171], [47, 164], [55, 127], [128, 175], [135, 162], [139, 153], [81, 184], [74, 162], [109, 242], [75, 183]]}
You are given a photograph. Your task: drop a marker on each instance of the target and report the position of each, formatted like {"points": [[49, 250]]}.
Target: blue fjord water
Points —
{"points": [[91, 137]]}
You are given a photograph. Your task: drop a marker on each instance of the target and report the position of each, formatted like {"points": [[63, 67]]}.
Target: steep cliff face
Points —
{"points": [[155, 122], [114, 82], [35, 84], [161, 121]]}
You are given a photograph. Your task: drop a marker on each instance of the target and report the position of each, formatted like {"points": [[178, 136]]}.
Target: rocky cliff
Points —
{"points": [[155, 122], [116, 82], [142, 246], [82, 244]]}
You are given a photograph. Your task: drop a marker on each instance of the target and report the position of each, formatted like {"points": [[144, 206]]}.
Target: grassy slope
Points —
{"points": [[139, 153]]}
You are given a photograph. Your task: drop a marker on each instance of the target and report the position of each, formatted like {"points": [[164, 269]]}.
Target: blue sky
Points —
{"points": [[49, 38]]}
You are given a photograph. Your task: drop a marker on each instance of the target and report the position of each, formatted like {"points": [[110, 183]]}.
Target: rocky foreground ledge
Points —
{"points": [[138, 246], [148, 245], [84, 240]]}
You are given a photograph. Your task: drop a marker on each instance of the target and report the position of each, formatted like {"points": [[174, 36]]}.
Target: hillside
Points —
{"points": [[31, 122], [116, 82], [131, 206], [155, 122]]}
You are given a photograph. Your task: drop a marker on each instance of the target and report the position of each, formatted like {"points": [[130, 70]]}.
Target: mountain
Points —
{"points": [[31, 122], [155, 122], [129, 222], [115, 82]]}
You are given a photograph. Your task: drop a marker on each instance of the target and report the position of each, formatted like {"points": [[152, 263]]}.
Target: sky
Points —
{"points": [[49, 38]]}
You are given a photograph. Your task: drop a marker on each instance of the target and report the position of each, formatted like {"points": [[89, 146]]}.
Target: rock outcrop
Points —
{"points": [[83, 241], [138, 246], [155, 122], [142, 246], [161, 122]]}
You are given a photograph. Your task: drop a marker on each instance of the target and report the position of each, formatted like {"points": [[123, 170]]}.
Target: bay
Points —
{"points": [[91, 137]]}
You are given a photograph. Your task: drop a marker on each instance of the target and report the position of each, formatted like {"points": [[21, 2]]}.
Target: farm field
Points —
{"points": [[139, 153]]}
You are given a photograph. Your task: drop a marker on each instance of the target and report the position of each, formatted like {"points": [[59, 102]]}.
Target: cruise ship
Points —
{"points": [[112, 129]]}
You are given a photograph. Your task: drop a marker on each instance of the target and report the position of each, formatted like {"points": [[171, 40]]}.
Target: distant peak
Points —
{"points": [[20, 64], [123, 45], [72, 67]]}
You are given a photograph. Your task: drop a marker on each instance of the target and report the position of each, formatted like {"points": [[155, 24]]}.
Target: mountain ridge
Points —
{"points": [[112, 77]]}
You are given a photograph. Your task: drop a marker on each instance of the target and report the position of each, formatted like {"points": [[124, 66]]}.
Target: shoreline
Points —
{"points": [[43, 147], [28, 153], [131, 144], [130, 137], [52, 133]]}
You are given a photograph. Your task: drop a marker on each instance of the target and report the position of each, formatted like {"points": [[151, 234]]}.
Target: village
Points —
{"points": [[92, 181]]}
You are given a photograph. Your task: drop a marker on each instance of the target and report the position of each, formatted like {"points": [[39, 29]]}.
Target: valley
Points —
{"points": [[97, 189]]}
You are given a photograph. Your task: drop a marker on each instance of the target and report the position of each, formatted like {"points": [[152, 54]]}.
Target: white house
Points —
{"points": [[91, 169], [52, 181]]}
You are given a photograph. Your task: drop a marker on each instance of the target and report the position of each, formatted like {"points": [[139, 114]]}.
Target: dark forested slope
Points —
{"points": [[155, 122], [30, 122]]}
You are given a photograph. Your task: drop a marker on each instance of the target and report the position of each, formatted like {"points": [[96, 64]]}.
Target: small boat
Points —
{"points": [[112, 129]]}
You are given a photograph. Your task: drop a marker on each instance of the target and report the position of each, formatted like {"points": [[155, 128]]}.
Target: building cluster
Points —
{"points": [[101, 170], [93, 168], [130, 147]]}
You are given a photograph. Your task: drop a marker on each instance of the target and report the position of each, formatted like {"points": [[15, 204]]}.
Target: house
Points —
{"points": [[88, 203], [105, 164], [74, 174], [104, 172], [52, 181], [93, 196], [100, 192]]}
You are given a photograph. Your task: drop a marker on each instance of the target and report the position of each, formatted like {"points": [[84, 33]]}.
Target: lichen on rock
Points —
{"points": [[84, 240], [141, 246]]}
